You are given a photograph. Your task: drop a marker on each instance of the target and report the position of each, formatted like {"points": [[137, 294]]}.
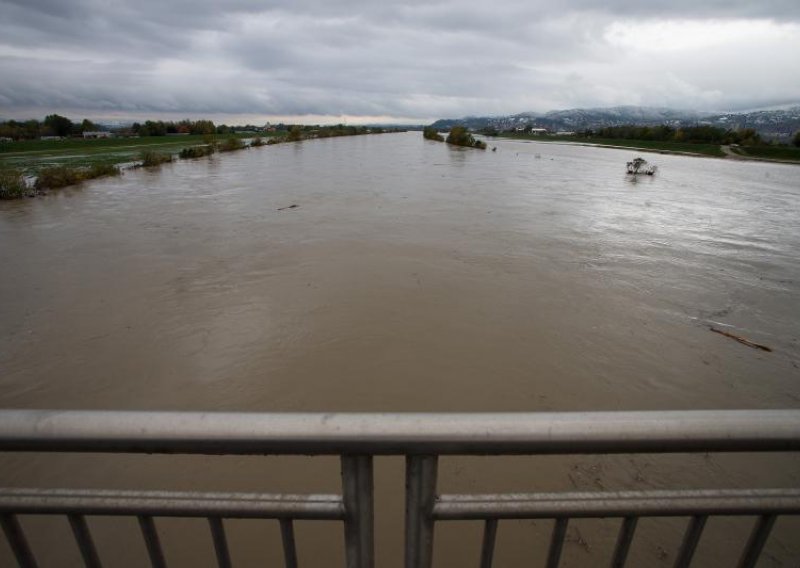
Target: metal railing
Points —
{"points": [[356, 438]]}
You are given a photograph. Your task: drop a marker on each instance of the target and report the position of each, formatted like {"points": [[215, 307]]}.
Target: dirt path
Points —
{"points": [[729, 153]]}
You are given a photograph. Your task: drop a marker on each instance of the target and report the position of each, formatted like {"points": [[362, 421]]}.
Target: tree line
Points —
{"points": [[52, 125], [702, 134], [57, 125]]}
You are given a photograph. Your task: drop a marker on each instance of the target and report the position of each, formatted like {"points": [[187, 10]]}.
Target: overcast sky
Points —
{"points": [[409, 60]]}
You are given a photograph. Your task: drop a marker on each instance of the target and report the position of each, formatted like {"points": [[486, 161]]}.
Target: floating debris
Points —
{"points": [[741, 339], [640, 166], [292, 206]]}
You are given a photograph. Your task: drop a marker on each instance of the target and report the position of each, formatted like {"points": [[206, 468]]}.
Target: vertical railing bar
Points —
{"points": [[84, 539], [220, 542], [17, 541], [357, 494], [151, 540], [289, 547], [489, 537], [421, 474], [757, 540], [624, 540], [694, 530], [557, 542]]}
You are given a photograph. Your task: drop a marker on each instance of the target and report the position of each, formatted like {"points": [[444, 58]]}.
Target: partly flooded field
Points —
{"points": [[411, 276]]}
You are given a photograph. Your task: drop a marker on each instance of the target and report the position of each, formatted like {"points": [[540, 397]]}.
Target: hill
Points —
{"points": [[773, 124]]}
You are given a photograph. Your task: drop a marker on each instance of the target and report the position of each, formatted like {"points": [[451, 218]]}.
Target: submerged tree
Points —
{"points": [[430, 133], [460, 136]]}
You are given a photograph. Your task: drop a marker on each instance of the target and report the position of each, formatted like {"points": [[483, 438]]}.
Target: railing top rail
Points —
{"points": [[399, 433]]}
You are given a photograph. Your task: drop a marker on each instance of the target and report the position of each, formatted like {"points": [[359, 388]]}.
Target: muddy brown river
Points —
{"points": [[411, 276]]}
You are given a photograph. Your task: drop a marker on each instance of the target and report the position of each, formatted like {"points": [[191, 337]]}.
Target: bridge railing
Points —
{"points": [[421, 438]]}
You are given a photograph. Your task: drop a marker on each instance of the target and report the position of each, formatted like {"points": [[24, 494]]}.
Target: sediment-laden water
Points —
{"points": [[411, 276]]}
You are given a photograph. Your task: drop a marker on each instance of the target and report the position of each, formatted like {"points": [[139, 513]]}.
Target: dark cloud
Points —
{"points": [[416, 59]]}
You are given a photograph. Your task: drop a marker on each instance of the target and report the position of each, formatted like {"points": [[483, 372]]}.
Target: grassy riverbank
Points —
{"points": [[59, 163], [776, 153], [31, 156], [765, 152], [643, 145]]}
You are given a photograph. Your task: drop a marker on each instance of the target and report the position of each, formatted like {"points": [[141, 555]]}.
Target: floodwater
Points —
{"points": [[411, 276]]}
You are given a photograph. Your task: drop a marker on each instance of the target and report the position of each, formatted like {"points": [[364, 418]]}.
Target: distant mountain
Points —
{"points": [[780, 124]]}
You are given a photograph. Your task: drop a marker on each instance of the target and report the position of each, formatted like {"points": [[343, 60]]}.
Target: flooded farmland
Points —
{"points": [[410, 276]]}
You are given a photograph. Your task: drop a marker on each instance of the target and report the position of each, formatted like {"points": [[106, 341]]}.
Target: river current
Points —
{"points": [[409, 276]]}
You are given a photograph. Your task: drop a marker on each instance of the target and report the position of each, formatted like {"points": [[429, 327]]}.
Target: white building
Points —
{"points": [[97, 134]]}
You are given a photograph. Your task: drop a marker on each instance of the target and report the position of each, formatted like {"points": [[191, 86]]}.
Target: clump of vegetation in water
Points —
{"points": [[231, 144], [295, 133], [12, 184], [55, 177], [430, 133], [150, 159], [460, 136], [197, 151], [102, 170], [257, 141], [58, 176]]}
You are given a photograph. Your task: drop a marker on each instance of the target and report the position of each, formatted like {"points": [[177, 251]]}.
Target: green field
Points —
{"points": [[644, 145], [32, 155], [788, 153]]}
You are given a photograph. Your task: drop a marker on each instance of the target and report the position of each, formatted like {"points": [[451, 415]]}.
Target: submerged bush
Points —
{"points": [[102, 170], [460, 136], [150, 158], [257, 141], [197, 151], [58, 176], [295, 133], [231, 144], [62, 176], [12, 184], [430, 133]]}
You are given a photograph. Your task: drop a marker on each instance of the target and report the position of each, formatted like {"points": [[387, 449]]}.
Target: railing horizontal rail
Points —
{"points": [[171, 504], [422, 438], [399, 434], [618, 504]]}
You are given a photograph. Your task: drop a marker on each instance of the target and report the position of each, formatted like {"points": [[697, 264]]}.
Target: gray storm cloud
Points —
{"points": [[402, 59]]}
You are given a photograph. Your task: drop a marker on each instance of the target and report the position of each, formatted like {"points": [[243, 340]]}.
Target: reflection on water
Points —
{"points": [[412, 276]]}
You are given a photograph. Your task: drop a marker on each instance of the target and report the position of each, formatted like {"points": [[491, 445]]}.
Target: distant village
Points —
{"points": [[776, 125]]}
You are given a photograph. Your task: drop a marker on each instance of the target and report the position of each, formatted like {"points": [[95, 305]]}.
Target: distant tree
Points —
{"points": [[796, 139], [150, 128], [32, 128], [58, 125], [88, 126], [28, 130], [203, 127]]}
